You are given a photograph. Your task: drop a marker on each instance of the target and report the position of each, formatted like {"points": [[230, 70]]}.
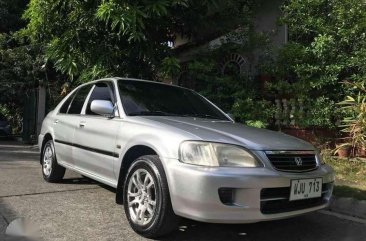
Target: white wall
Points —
{"points": [[266, 21]]}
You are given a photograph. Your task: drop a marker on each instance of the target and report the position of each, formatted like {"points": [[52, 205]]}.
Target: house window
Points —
{"points": [[234, 64], [231, 69]]}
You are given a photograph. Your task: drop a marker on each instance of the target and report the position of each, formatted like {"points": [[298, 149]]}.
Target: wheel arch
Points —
{"points": [[46, 138], [130, 155]]}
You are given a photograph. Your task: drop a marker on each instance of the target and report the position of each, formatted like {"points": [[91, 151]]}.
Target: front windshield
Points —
{"points": [[147, 98]]}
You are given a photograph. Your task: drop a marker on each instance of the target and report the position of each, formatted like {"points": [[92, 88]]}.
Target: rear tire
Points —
{"points": [[146, 198], [52, 172]]}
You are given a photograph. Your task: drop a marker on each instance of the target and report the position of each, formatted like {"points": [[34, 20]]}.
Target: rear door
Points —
{"points": [[66, 122], [95, 136]]}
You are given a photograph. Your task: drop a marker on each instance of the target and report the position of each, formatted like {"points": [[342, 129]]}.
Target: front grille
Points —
{"points": [[276, 200], [292, 162]]}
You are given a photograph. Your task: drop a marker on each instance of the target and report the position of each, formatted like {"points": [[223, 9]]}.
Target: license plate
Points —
{"points": [[306, 188]]}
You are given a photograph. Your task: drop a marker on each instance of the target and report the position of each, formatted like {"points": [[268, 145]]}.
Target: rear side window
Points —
{"points": [[64, 108], [79, 99], [101, 91]]}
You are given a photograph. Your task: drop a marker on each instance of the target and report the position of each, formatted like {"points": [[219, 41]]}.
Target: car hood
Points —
{"points": [[233, 133]]}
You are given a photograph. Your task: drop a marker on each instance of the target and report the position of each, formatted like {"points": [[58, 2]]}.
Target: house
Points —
{"points": [[265, 21]]}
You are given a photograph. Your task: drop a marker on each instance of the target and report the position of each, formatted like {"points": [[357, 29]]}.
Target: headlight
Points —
{"points": [[216, 154]]}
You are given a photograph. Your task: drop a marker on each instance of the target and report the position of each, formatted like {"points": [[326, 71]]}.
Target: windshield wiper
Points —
{"points": [[162, 113], [203, 116]]}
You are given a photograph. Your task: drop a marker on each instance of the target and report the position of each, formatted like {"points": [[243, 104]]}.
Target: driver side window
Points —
{"points": [[101, 91]]}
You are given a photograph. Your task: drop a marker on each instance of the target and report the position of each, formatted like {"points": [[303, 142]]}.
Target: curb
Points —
{"points": [[348, 206]]}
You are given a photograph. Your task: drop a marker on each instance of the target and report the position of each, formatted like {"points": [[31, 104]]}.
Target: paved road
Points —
{"points": [[79, 209]]}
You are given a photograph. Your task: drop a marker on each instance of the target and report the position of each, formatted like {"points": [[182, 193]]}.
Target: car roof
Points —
{"points": [[149, 81], [130, 79]]}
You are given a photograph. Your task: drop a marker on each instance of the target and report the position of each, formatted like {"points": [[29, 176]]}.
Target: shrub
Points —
{"points": [[319, 113], [253, 112], [354, 124]]}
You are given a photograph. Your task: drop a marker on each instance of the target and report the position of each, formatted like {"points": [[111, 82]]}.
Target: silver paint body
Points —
{"points": [[193, 189]]}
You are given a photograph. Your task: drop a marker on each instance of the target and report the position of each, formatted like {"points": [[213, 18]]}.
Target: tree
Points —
{"points": [[329, 37], [90, 39], [17, 71], [10, 15], [20, 72]]}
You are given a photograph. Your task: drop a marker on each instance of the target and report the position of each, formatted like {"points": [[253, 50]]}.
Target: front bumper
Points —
{"points": [[194, 192]]}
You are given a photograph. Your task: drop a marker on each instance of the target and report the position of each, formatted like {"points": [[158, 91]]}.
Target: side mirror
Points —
{"points": [[102, 107]]}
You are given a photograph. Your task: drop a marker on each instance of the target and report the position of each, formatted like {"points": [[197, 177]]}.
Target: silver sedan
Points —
{"points": [[171, 153]]}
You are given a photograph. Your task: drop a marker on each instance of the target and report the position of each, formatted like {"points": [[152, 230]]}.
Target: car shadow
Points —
{"points": [[78, 180], [86, 181], [109, 188], [313, 226], [212, 232]]}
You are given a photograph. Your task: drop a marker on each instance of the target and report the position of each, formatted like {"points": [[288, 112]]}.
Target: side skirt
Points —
{"points": [[90, 175]]}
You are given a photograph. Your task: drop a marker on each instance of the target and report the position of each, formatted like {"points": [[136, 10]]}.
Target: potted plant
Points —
{"points": [[343, 150], [361, 152]]}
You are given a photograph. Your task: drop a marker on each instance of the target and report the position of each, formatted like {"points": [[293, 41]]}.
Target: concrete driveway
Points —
{"points": [[79, 209]]}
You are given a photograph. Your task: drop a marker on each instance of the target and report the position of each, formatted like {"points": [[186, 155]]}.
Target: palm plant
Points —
{"points": [[354, 123]]}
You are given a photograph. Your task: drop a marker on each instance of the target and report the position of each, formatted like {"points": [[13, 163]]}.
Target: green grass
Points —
{"points": [[350, 176]]}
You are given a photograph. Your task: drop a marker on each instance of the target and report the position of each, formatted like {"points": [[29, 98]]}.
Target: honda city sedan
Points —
{"points": [[171, 153]]}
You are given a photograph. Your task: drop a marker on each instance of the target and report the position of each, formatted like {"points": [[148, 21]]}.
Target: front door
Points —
{"points": [[95, 137]]}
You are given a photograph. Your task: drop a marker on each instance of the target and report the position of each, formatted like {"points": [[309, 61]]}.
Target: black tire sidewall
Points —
{"points": [[57, 171], [48, 144], [150, 167]]}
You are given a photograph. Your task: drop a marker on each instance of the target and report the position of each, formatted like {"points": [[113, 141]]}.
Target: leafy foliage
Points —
{"points": [[19, 65], [326, 47], [320, 112], [90, 39], [20, 72], [22, 66], [354, 124], [253, 112], [329, 38], [10, 15], [235, 93], [170, 68]]}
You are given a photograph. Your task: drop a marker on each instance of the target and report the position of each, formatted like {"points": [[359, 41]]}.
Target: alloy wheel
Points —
{"points": [[141, 197], [47, 160]]}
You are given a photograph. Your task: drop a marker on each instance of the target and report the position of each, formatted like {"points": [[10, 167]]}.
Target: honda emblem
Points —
{"points": [[298, 161]]}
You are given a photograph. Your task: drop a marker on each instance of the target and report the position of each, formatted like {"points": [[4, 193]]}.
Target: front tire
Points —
{"points": [[52, 172], [147, 200]]}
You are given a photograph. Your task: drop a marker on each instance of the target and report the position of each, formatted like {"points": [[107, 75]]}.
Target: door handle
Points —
{"points": [[82, 124], [55, 122]]}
